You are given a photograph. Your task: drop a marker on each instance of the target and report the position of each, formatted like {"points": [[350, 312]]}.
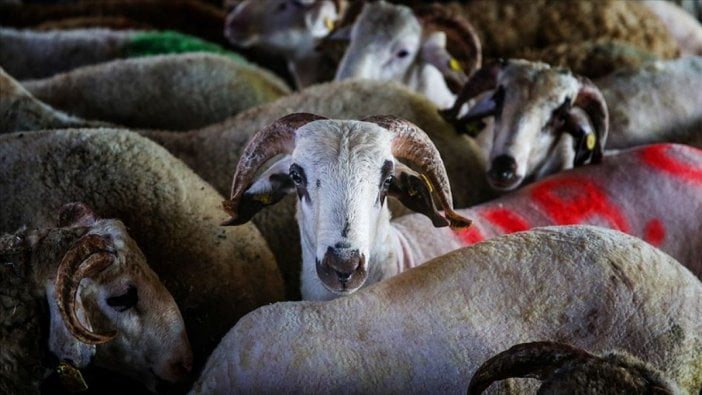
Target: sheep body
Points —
{"points": [[682, 25], [176, 92], [428, 329], [215, 274], [31, 54], [32, 329]]}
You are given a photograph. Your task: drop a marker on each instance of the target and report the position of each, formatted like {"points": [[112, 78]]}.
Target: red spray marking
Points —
{"points": [[571, 201], [654, 232], [507, 220], [657, 156], [470, 235]]}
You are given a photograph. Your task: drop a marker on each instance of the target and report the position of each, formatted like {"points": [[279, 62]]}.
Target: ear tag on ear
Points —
{"points": [[427, 183], [71, 378], [329, 23], [590, 141], [455, 65], [264, 198]]}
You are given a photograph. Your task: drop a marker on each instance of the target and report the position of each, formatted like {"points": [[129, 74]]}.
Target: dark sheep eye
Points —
{"points": [[297, 175], [402, 53], [388, 181], [125, 301]]}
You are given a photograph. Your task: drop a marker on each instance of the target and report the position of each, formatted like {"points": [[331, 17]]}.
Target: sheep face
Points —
{"points": [[147, 338], [342, 173], [279, 25], [385, 41]]}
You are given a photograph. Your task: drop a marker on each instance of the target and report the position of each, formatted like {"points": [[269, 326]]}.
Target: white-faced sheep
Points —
{"points": [[393, 42], [343, 171], [88, 282], [547, 119], [176, 92], [428, 329], [288, 28], [31, 54], [565, 369], [215, 274]]}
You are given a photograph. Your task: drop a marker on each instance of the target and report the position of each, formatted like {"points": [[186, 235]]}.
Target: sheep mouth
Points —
{"points": [[504, 184], [341, 283]]}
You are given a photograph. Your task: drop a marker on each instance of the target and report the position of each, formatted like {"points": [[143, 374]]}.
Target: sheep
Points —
{"points": [[685, 29], [288, 28], [507, 27], [567, 369], [123, 317], [214, 151], [30, 54], [342, 172], [176, 92], [547, 119], [215, 274], [188, 16], [391, 42], [428, 329], [20, 111]]}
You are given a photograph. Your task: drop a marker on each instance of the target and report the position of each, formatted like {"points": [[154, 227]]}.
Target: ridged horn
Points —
{"points": [[591, 100], [274, 139], [89, 256], [534, 360], [409, 142]]}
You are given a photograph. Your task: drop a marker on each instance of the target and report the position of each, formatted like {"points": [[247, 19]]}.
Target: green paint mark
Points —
{"points": [[171, 42]]}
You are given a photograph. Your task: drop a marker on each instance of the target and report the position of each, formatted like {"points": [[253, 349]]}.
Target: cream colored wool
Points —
{"points": [[176, 92], [428, 329]]}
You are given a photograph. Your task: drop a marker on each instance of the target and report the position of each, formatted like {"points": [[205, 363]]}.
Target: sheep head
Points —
{"points": [[281, 26], [391, 42], [342, 172], [106, 299], [545, 119]]}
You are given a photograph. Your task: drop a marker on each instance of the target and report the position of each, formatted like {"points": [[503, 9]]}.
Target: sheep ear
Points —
{"points": [[414, 191], [61, 342], [269, 188], [321, 17], [586, 141], [435, 53], [76, 214]]}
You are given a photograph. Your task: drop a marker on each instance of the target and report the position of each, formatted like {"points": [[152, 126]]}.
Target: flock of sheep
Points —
{"points": [[166, 202]]}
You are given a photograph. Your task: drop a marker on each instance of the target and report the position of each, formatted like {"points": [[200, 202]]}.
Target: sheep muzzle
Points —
{"points": [[342, 271]]}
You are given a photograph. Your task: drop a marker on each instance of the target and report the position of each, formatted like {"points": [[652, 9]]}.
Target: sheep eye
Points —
{"points": [[402, 53], [388, 181], [125, 301], [296, 175]]}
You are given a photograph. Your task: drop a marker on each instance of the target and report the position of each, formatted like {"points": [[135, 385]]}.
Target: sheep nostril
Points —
{"points": [[503, 168], [342, 276]]}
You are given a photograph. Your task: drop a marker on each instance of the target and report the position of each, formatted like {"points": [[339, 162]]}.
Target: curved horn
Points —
{"points": [[411, 143], [533, 360], [88, 257], [591, 100], [274, 139], [482, 80]]}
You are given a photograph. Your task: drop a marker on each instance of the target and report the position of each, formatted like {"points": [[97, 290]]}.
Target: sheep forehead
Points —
{"points": [[342, 148], [385, 22], [529, 86]]}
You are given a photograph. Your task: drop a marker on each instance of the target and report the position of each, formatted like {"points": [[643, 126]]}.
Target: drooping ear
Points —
{"points": [[76, 214], [434, 52], [62, 342], [269, 188], [414, 191], [320, 16]]}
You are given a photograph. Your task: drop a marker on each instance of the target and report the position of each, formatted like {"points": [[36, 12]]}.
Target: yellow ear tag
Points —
{"points": [[71, 378], [427, 183], [455, 65], [590, 141], [329, 23], [264, 198]]}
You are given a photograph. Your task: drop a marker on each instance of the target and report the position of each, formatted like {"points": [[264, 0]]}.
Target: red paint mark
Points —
{"points": [[570, 201], [507, 220], [654, 232], [470, 235], [658, 156]]}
